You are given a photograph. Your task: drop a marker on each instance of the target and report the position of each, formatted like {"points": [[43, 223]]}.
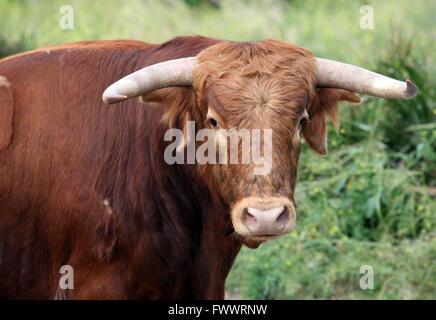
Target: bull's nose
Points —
{"points": [[269, 221], [263, 218]]}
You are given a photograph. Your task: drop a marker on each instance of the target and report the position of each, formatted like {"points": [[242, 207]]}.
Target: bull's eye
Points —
{"points": [[213, 122], [304, 119], [302, 122]]}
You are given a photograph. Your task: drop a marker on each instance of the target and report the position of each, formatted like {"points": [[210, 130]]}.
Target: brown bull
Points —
{"points": [[88, 185]]}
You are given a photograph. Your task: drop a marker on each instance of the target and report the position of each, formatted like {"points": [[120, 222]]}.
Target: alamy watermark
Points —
{"points": [[367, 18], [207, 152], [67, 279], [367, 280], [66, 22]]}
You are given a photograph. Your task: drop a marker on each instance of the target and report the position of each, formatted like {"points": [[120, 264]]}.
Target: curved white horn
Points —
{"points": [[172, 73], [346, 76]]}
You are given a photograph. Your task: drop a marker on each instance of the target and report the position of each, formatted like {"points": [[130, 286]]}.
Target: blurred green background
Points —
{"points": [[372, 200]]}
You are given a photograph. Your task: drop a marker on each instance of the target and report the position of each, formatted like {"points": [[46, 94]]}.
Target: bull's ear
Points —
{"points": [[324, 106], [315, 133]]}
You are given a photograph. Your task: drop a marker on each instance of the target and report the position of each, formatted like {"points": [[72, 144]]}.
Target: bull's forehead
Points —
{"points": [[248, 59], [257, 102], [258, 82], [255, 57]]}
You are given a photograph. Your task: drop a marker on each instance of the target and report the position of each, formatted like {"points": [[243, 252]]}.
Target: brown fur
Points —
{"points": [[6, 112], [86, 184]]}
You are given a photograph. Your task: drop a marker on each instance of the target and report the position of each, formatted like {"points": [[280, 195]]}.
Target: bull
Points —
{"points": [[87, 185]]}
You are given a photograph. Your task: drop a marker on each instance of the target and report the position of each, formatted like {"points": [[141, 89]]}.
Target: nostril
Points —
{"points": [[264, 218], [283, 218], [270, 221], [249, 220]]}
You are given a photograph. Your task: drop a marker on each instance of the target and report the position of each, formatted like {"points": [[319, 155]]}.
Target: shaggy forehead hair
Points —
{"points": [[255, 84]]}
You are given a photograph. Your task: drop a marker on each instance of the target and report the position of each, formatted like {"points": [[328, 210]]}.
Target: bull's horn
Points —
{"points": [[346, 76], [172, 73]]}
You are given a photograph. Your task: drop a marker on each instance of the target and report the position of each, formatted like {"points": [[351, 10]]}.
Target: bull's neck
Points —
{"points": [[205, 218]]}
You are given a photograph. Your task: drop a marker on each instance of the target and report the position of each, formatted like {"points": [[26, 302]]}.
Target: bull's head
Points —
{"points": [[265, 85]]}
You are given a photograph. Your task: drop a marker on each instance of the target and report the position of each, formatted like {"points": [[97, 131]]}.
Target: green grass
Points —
{"points": [[371, 201]]}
